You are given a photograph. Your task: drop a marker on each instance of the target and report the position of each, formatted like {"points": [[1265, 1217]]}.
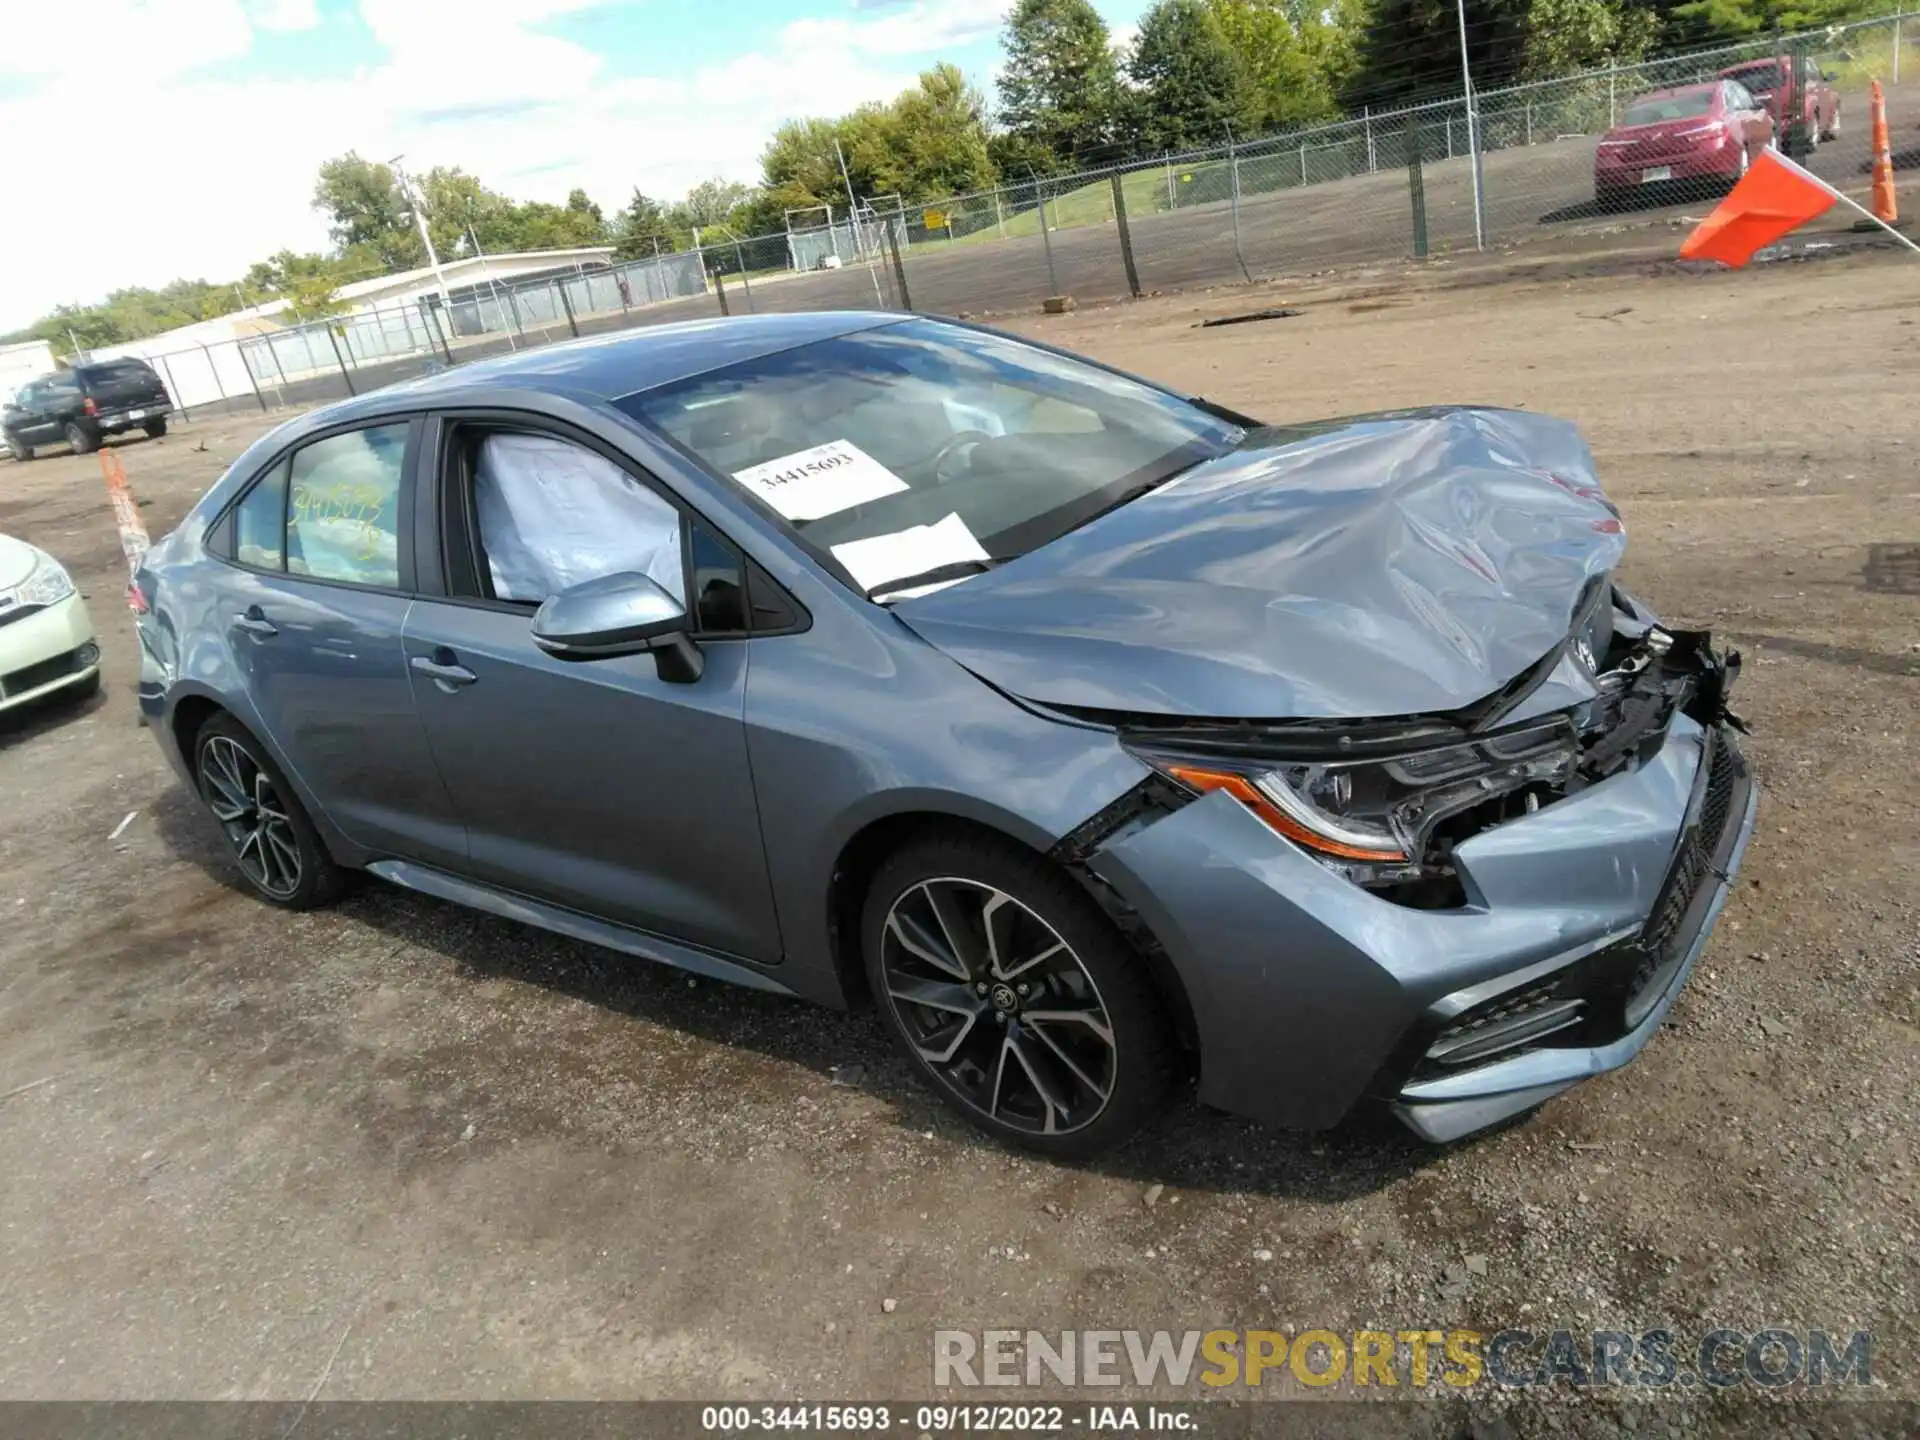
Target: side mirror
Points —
{"points": [[622, 614]]}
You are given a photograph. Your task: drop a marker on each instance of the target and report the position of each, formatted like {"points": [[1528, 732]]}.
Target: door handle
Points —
{"points": [[447, 674], [254, 621]]}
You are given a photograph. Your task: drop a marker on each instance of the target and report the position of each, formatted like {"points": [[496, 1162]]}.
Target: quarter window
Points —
{"points": [[343, 507], [260, 523]]}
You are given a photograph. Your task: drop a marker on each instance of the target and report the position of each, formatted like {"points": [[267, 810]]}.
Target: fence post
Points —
{"points": [[1303, 162], [1233, 169], [1449, 137], [1170, 201], [338, 358], [573, 325], [719, 287], [1366, 119], [1529, 120], [166, 370], [899, 267], [1613, 72], [440, 333], [1126, 236], [1896, 50], [214, 370], [1416, 189], [241, 351], [1046, 239], [999, 215], [740, 259]]}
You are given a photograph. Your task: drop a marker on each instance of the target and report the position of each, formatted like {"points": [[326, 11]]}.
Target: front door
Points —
{"points": [[314, 608], [595, 785]]}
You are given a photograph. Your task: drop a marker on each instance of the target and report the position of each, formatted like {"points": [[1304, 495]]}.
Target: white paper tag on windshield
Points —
{"points": [[824, 480], [882, 558]]}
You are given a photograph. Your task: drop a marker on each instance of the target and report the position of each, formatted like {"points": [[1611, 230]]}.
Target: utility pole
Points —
{"points": [[420, 219], [853, 206], [1473, 135], [493, 286]]}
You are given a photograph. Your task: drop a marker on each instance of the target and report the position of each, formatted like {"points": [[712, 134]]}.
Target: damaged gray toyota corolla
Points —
{"points": [[1101, 736]]}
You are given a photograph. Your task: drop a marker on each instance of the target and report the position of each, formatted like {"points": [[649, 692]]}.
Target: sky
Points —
{"points": [[181, 138]]}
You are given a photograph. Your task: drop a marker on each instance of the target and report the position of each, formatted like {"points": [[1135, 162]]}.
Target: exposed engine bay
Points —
{"points": [[1387, 802]]}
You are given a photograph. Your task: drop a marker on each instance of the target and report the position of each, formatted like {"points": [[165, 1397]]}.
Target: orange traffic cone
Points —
{"points": [[1885, 208]]}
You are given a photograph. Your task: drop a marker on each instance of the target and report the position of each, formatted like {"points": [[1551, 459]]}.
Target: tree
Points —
{"points": [[940, 135], [1060, 86], [1568, 35], [1296, 61], [367, 208], [1412, 49], [712, 202], [1191, 88], [643, 229]]}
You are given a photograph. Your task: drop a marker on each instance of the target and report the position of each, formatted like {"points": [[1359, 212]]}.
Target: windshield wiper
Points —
{"points": [[952, 570]]}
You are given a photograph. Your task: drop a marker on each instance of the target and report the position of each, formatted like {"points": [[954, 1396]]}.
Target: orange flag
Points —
{"points": [[1775, 196]]}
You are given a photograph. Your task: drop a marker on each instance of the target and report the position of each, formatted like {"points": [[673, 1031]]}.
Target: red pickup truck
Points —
{"points": [[1792, 89]]}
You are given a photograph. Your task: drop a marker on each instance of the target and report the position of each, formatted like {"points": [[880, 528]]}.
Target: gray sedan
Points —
{"points": [[1101, 737]]}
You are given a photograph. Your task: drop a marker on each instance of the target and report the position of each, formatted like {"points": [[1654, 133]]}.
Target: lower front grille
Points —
{"points": [[47, 671], [1598, 999]]}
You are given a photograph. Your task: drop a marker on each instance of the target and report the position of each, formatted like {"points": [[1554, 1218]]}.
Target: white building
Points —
{"points": [[400, 314], [20, 363]]}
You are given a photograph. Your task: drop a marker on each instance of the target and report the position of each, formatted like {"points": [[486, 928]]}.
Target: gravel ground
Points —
{"points": [[396, 1150]]}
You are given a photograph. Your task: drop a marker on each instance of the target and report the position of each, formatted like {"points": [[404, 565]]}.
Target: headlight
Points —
{"points": [[46, 585], [1375, 814]]}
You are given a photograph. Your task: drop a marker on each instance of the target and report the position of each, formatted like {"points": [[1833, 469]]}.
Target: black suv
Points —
{"points": [[84, 405]]}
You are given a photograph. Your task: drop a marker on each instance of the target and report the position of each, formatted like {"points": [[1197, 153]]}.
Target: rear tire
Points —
{"points": [[19, 449], [1035, 1021], [280, 854], [155, 428], [82, 441]]}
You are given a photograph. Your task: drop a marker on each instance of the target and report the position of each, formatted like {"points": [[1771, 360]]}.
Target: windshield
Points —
{"points": [[1653, 110], [923, 449]]}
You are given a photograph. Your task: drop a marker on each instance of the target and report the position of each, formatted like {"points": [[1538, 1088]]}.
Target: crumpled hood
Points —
{"points": [[1405, 563], [17, 559]]}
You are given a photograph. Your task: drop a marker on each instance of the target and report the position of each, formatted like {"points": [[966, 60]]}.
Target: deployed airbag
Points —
{"points": [[554, 514]]}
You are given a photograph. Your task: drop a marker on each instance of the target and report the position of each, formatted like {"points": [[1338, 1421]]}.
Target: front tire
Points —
{"points": [[82, 440], [279, 853], [155, 428], [1014, 996], [19, 448]]}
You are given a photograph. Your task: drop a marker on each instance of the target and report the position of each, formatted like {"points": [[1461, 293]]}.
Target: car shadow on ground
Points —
{"points": [[48, 713], [1643, 201], [1190, 1147]]}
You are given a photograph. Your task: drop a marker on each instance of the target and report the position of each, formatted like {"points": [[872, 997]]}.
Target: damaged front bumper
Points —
{"points": [[1309, 994]]}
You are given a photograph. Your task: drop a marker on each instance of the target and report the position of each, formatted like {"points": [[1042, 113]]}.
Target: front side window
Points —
{"points": [[343, 507], [921, 445], [553, 514]]}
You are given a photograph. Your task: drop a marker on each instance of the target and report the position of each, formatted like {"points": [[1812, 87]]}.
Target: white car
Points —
{"points": [[46, 636]]}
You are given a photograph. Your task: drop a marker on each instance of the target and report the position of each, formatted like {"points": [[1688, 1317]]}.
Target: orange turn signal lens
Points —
{"points": [[1277, 820]]}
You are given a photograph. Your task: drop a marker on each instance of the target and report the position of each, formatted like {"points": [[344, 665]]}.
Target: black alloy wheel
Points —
{"points": [[80, 439], [1014, 995], [271, 838]]}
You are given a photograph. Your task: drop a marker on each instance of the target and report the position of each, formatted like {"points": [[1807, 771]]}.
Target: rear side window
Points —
{"points": [[343, 507], [260, 523]]}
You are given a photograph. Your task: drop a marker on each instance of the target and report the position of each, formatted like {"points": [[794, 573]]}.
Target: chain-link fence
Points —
{"points": [[1430, 180]]}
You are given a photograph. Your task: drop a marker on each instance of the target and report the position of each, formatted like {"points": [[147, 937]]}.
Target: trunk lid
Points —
{"points": [[115, 385], [1406, 563]]}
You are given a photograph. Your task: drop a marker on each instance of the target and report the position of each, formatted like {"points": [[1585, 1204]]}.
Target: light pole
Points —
{"points": [[420, 219], [1473, 135]]}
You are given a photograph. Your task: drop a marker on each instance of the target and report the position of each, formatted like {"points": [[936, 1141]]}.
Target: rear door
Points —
{"points": [[599, 786], [314, 600]]}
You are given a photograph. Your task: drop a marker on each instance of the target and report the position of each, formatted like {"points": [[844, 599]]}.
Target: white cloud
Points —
{"points": [[286, 15], [529, 113]]}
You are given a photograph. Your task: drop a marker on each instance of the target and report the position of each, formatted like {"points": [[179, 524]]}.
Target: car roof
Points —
{"points": [[628, 362], [1765, 62]]}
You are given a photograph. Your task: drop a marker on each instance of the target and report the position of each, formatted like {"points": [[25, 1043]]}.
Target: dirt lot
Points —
{"points": [[398, 1150]]}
